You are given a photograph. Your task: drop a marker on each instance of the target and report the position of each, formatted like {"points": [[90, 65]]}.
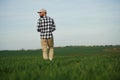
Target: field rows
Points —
{"points": [[90, 66]]}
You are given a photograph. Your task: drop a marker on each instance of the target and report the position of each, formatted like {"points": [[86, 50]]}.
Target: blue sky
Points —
{"points": [[78, 22]]}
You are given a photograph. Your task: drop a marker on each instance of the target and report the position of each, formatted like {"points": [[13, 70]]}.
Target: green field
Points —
{"points": [[70, 63]]}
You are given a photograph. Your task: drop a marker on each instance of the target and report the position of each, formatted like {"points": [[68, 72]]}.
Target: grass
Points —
{"points": [[70, 63]]}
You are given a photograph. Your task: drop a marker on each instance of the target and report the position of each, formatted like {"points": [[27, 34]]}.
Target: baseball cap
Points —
{"points": [[42, 10]]}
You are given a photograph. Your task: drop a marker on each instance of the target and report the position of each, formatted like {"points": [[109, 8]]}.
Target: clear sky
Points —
{"points": [[78, 22]]}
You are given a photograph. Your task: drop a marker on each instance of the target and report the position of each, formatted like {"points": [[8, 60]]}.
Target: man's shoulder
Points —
{"points": [[39, 19], [49, 17], [45, 18]]}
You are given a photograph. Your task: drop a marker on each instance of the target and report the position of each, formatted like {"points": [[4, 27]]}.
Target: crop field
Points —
{"points": [[69, 63]]}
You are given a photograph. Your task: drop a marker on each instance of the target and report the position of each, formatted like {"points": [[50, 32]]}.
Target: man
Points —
{"points": [[46, 26]]}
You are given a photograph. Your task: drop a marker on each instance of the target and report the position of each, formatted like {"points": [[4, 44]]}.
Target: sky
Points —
{"points": [[78, 22]]}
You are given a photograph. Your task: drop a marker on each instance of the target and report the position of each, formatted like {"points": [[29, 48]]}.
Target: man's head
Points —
{"points": [[42, 12]]}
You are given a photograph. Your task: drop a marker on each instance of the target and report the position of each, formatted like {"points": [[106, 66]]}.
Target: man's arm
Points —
{"points": [[38, 26], [53, 26]]}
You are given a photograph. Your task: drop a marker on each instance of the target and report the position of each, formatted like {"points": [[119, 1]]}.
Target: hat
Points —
{"points": [[42, 10]]}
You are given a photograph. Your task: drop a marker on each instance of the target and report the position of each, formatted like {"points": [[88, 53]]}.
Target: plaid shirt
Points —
{"points": [[46, 26]]}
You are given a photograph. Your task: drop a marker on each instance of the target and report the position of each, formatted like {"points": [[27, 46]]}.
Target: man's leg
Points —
{"points": [[44, 48], [51, 48]]}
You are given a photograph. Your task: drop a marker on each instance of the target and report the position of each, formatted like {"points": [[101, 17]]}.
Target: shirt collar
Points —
{"points": [[43, 17]]}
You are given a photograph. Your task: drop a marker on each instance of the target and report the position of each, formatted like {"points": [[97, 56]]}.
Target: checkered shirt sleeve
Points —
{"points": [[46, 26]]}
